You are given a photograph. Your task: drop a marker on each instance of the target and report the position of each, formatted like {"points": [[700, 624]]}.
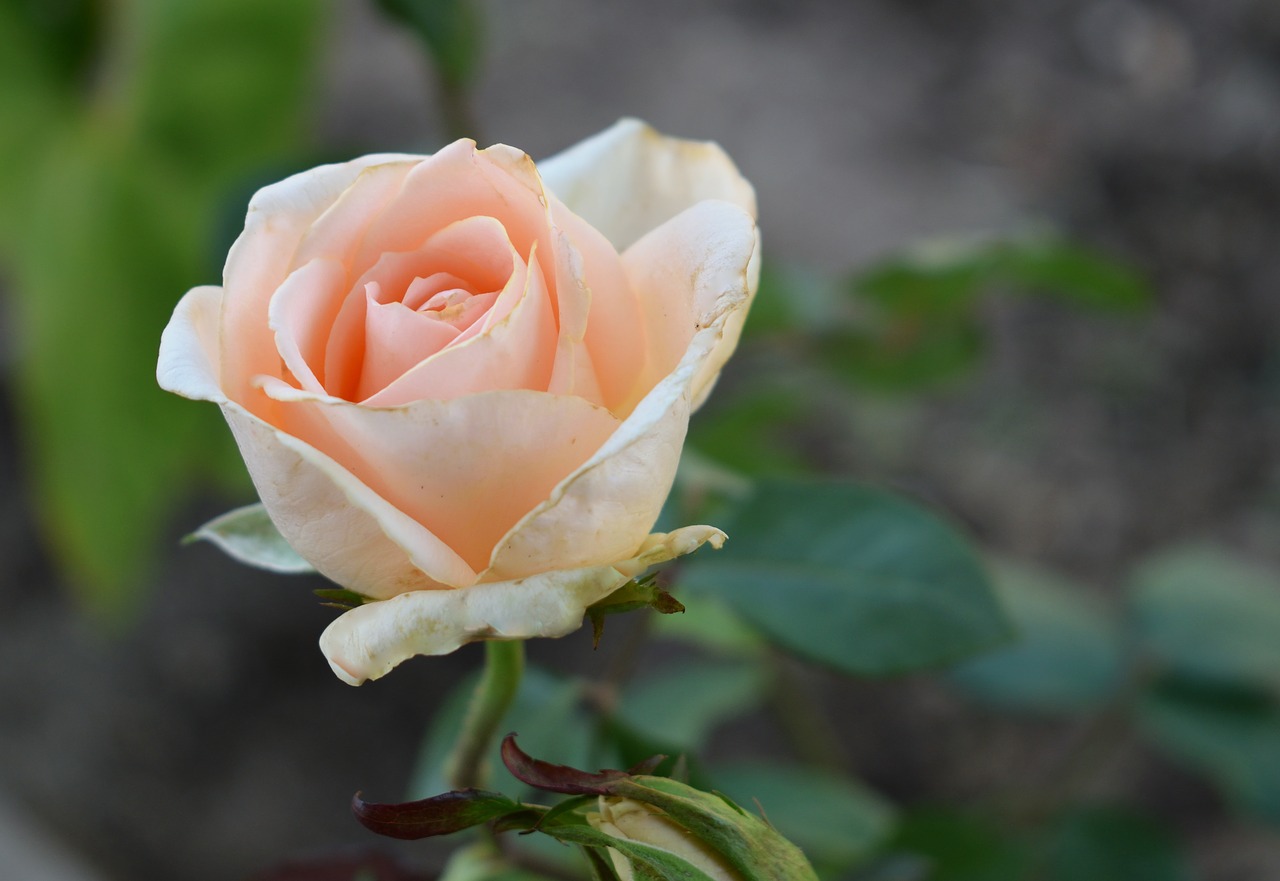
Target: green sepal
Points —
{"points": [[340, 598], [444, 814], [648, 863], [642, 593], [568, 806], [601, 867]]}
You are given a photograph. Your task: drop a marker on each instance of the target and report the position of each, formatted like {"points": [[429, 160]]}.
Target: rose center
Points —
{"points": [[447, 298]]}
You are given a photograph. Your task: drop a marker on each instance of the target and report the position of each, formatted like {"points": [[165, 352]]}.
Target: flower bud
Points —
{"points": [[659, 828], [631, 820]]}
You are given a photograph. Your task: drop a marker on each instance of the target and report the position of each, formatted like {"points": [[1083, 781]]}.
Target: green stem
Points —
{"points": [[504, 664]]}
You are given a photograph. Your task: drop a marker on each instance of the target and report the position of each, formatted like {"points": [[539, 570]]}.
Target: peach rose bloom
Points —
{"points": [[461, 382]]}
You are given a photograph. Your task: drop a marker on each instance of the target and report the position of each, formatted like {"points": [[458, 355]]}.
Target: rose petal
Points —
{"points": [[573, 372], [368, 641], [459, 182], [350, 533], [699, 265], [397, 339], [603, 511], [278, 219], [301, 314], [663, 546], [501, 451], [339, 232], [614, 336], [474, 248], [189, 357], [512, 347], [737, 319], [630, 179]]}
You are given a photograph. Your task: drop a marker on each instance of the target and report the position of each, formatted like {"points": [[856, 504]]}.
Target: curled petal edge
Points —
{"points": [[369, 641]]}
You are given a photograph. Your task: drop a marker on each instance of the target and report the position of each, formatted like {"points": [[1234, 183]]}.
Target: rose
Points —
{"points": [[461, 382], [630, 820]]}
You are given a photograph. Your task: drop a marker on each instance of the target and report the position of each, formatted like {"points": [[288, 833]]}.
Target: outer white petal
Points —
{"points": [[629, 179], [697, 269], [334, 521], [189, 355], [737, 318], [368, 641]]}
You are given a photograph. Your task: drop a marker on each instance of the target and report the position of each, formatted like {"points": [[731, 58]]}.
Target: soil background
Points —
{"points": [[211, 741]]}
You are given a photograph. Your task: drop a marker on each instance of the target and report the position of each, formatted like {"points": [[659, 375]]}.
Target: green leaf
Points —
{"points": [[1067, 655], [248, 535], [914, 321], [935, 276], [1230, 736], [960, 847], [203, 73], [1070, 272], [791, 299], [452, 30], [850, 576], [65, 33], [1207, 613], [942, 275], [1113, 844], [703, 487], [678, 708], [906, 352], [748, 433], [33, 106], [108, 227], [834, 820], [119, 201]]}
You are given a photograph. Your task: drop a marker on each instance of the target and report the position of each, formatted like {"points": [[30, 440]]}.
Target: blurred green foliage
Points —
{"points": [[849, 576], [1107, 843], [917, 322], [678, 709], [124, 127], [1185, 661], [1068, 654], [836, 821]]}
